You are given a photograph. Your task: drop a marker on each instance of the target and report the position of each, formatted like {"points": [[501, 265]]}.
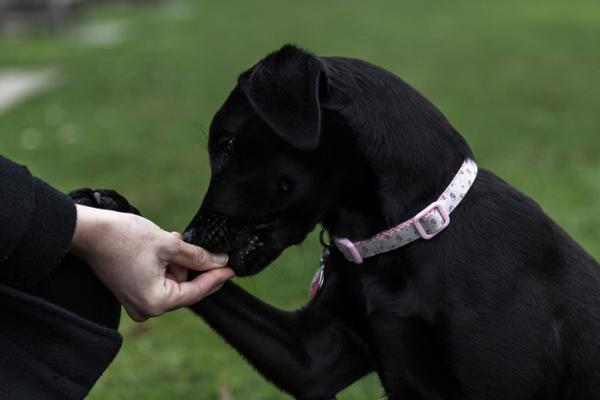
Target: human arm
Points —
{"points": [[36, 227], [139, 262], [145, 267]]}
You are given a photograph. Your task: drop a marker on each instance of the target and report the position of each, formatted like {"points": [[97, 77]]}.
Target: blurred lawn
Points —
{"points": [[517, 78]]}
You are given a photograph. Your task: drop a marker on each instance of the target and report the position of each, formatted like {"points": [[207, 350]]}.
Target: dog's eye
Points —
{"points": [[285, 185], [226, 145]]}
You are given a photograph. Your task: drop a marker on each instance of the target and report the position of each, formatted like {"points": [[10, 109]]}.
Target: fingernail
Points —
{"points": [[220, 259]]}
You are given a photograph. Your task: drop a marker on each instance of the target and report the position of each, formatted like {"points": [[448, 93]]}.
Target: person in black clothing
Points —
{"points": [[65, 269]]}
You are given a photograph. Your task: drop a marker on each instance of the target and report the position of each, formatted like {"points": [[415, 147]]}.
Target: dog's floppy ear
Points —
{"points": [[284, 89]]}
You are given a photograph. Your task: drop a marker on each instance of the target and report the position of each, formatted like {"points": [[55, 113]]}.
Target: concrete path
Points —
{"points": [[104, 33], [17, 85]]}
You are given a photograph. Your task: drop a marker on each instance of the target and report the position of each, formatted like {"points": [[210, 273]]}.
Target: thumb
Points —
{"points": [[196, 258]]}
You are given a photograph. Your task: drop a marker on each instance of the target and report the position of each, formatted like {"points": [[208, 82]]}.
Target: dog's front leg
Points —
{"points": [[309, 353]]}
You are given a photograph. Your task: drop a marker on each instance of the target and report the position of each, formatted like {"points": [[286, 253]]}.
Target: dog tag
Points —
{"points": [[317, 282], [319, 277]]}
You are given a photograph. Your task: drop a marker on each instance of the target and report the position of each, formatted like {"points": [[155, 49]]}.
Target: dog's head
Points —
{"points": [[271, 182], [300, 136]]}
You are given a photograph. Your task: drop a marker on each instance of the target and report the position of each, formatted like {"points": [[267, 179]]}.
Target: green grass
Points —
{"points": [[517, 78]]}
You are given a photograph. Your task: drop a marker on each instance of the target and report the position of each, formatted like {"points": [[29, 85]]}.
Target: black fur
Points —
{"points": [[501, 305], [103, 198]]}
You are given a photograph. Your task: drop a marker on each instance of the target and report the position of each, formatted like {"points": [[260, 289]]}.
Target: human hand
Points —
{"points": [[145, 267]]}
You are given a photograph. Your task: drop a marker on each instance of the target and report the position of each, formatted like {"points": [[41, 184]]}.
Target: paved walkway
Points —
{"points": [[101, 33], [16, 85]]}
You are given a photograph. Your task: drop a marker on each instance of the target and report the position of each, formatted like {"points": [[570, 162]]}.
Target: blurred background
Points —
{"points": [[120, 94]]}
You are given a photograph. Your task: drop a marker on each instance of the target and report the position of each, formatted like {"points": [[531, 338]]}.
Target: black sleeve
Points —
{"points": [[36, 226]]}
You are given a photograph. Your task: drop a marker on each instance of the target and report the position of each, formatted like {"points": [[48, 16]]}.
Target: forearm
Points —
{"points": [[305, 353], [37, 225]]}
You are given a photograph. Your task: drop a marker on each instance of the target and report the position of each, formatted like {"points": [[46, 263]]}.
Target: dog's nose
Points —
{"points": [[188, 235]]}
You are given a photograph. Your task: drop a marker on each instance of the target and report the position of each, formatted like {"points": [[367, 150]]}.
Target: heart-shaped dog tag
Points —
{"points": [[319, 277], [317, 281]]}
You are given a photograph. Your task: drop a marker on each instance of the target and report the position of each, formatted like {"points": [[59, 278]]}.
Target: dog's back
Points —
{"points": [[523, 297]]}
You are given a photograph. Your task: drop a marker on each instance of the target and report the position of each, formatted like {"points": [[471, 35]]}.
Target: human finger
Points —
{"points": [[179, 273], [193, 291]]}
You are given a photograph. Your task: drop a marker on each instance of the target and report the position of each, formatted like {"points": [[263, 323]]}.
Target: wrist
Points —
{"points": [[89, 227]]}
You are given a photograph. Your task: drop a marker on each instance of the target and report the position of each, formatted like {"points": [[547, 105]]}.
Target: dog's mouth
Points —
{"points": [[248, 244]]}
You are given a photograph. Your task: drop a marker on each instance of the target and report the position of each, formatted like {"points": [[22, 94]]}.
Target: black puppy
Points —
{"points": [[501, 304]]}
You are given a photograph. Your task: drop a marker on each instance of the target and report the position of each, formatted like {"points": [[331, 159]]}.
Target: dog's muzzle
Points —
{"points": [[188, 235], [244, 242], [216, 233]]}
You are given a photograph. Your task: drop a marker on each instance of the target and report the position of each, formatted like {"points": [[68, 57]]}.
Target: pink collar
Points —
{"points": [[425, 225]]}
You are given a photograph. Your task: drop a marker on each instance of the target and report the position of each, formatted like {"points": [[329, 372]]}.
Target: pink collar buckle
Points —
{"points": [[436, 206]]}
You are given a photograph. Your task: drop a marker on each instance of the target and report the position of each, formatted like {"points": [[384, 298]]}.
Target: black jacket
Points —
{"points": [[57, 322]]}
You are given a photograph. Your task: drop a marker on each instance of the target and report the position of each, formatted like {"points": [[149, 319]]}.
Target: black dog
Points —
{"points": [[502, 304]]}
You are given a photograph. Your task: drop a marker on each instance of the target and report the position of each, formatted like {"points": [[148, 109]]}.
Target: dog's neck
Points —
{"points": [[404, 151], [379, 200]]}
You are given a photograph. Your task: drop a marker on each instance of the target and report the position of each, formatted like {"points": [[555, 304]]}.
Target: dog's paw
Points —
{"points": [[103, 198]]}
